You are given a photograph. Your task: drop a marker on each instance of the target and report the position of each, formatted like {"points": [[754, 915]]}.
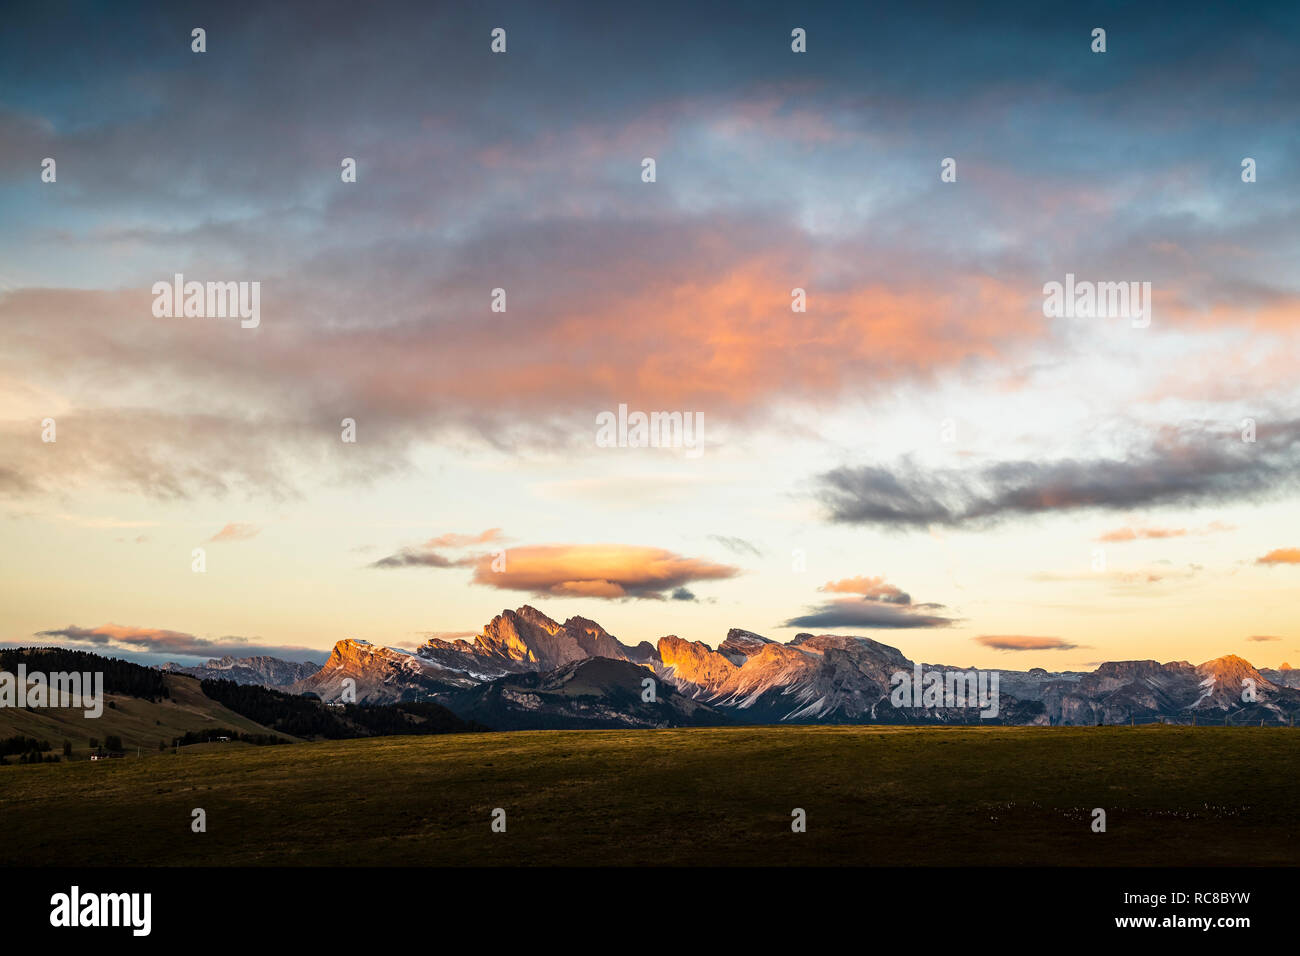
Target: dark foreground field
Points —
{"points": [[881, 796]]}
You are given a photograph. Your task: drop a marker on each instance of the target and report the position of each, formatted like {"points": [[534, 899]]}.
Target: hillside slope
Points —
{"points": [[141, 723]]}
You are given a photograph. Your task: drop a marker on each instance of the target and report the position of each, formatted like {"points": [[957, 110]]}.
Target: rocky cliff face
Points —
{"points": [[382, 675], [263, 670], [530, 637], [696, 669], [1120, 691], [741, 645], [814, 678], [1284, 676], [525, 640]]}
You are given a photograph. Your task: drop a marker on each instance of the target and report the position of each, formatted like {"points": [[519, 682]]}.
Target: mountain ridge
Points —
{"points": [[751, 678]]}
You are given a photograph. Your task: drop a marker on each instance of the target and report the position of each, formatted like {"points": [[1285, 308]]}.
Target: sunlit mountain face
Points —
{"points": [[361, 326], [527, 671]]}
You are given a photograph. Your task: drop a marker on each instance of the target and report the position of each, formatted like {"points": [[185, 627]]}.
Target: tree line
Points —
{"points": [[120, 677], [307, 717]]}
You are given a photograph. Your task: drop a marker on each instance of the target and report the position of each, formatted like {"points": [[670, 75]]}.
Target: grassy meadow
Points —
{"points": [[710, 796]]}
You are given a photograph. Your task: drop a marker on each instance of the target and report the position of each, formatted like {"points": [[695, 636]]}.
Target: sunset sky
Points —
{"points": [[922, 457]]}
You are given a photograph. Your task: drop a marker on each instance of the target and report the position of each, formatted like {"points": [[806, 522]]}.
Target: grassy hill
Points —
{"points": [[873, 795], [140, 722]]}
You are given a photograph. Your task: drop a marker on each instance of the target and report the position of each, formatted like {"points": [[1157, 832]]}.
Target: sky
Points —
{"points": [[923, 456]]}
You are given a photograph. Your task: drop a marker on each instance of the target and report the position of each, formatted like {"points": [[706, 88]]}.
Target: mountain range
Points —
{"points": [[525, 670], [267, 671]]}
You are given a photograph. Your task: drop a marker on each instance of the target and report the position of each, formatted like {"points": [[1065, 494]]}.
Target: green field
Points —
{"points": [[873, 795]]}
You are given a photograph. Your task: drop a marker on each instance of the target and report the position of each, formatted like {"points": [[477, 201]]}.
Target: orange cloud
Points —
{"points": [[595, 570], [1020, 642], [716, 336], [453, 540], [1281, 556], [1135, 533], [874, 589], [1267, 310], [1132, 534]]}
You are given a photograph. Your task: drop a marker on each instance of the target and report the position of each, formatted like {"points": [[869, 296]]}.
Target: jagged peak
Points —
{"points": [[527, 612], [578, 621]]}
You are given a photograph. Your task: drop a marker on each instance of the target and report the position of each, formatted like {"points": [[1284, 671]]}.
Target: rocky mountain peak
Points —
{"points": [[694, 663], [527, 670], [741, 645], [1230, 670], [533, 616]]}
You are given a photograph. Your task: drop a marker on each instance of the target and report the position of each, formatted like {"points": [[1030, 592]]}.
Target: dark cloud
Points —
{"points": [[110, 638], [737, 545], [683, 594], [416, 558], [1190, 465], [869, 614], [429, 554], [176, 455]]}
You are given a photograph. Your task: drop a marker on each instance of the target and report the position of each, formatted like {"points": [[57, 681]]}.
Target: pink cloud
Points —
{"points": [[236, 531]]}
